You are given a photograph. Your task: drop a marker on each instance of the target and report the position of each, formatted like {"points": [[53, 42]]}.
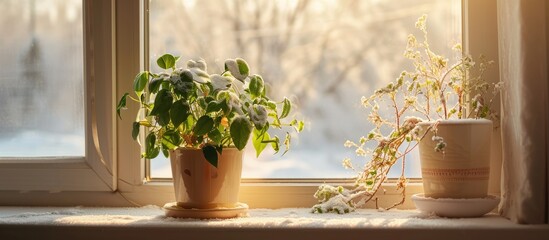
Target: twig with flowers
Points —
{"points": [[434, 91]]}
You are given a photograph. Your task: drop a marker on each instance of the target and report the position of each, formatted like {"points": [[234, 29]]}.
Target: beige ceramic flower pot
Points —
{"points": [[462, 171], [200, 185]]}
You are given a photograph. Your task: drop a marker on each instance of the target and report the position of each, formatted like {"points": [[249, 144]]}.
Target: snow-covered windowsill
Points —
{"points": [[150, 223]]}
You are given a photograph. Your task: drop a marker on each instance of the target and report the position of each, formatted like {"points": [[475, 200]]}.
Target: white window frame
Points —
{"points": [[96, 171], [119, 54]]}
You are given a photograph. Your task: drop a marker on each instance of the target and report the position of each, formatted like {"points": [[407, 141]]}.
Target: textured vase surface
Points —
{"points": [[462, 170], [200, 185]]}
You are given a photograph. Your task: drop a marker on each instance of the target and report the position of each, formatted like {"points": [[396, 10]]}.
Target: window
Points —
{"points": [[56, 125], [263, 193], [42, 58], [324, 54], [86, 178]]}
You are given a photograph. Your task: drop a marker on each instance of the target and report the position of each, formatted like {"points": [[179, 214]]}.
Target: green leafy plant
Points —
{"points": [[435, 90], [190, 108]]}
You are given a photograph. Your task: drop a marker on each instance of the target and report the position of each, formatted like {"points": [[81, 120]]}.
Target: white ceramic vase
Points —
{"points": [[463, 169], [200, 185]]}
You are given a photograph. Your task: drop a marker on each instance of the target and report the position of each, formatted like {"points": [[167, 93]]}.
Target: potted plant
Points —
{"points": [[439, 106], [203, 122]]}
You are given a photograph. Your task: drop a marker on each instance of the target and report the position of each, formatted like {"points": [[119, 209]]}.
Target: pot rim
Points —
{"points": [[200, 149], [471, 121]]}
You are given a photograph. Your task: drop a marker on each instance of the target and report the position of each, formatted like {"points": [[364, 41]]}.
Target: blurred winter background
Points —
{"points": [[41, 78], [324, 54]]}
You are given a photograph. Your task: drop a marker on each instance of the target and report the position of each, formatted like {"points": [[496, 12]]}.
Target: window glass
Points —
{"points": [[324, 54], [41, 78]]}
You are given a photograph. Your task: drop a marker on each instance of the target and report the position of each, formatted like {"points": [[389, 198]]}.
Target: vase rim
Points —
{"points": [[458, 121], [200, 149]]}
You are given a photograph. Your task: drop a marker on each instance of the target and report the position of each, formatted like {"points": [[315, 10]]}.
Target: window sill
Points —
{"points": [[148, 222]]}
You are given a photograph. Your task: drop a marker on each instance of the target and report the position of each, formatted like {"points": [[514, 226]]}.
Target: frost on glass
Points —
{"points": [[326, 54], [41, 78]]}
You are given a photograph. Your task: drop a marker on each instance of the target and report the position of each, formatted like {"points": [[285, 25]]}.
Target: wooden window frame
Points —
{"points": [[121, 52]]}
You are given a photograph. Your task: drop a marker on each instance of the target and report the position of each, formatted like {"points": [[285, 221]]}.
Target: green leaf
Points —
{"points": [[154, 85], [179, 112], [215, 135], [300, 126], [209, 99], [210, 154], [287, 141], [258, 141], [151, 151], [256, 86], [241, 128], [286, 108], [202, 102], [140, 82], [223, 106], [135, 130], [275, 144], [238, 68], [213, 107], [166, 61], [260, 101], [171, 139], [121, 104], [223, 95], [190, 122], [203, 125], [243, 67], [150, 141], [271, 105], [276, 120], [165, 84], [165, 151], [187, 76], [142, 98], [219, 148], [164, 118], [162, 102], [206, 88]]}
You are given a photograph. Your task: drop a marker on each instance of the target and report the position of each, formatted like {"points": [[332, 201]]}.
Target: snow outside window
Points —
{"points": [[41, 79], [324, 54]]}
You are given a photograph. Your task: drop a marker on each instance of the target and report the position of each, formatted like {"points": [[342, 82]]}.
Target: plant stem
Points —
{"points": [[133, 99], [396, 111]]}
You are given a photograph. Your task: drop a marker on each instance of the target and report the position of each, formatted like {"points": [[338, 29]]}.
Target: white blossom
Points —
{"points": [[348, 144], [457, 47], [437, 138], [498, 85], [420, 24], [411, 122], [347, 163], [410, 100], [332, 199], [440, 145], [360, 152], [416, 132]]}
